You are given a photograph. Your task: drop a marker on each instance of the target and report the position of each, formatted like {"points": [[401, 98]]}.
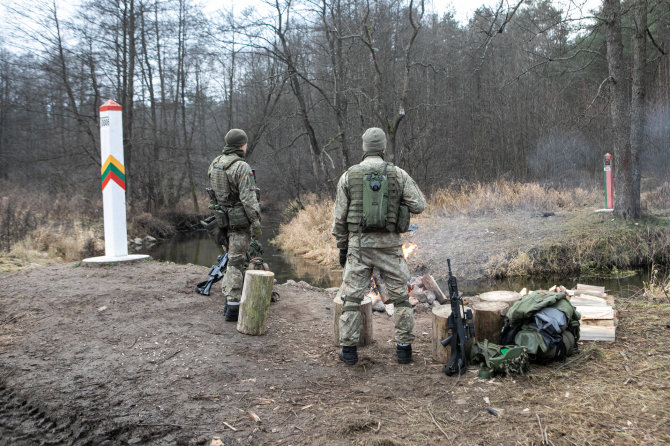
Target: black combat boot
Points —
{"points": [[348, 354], [231, 311], [404, 352]]}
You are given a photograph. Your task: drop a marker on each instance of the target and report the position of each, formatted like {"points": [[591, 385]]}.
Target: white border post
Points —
{"points": [[113, 178]]}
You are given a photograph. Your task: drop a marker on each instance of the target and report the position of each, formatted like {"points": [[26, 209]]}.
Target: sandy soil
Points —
{"points": [[131, 355]]}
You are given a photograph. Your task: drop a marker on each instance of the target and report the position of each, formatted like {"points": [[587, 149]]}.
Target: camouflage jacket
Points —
{"points": [[411, 196], [241, 179]]}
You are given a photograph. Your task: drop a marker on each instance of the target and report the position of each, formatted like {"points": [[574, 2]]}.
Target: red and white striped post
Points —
{"points": [[609, 183], [113, 178]]}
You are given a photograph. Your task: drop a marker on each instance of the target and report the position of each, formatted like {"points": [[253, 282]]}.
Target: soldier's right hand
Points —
{"points": [[343, 257]]}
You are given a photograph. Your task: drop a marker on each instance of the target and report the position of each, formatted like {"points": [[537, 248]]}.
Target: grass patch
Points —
{"points": [[592, 246], [503, 196], [308, 233]]}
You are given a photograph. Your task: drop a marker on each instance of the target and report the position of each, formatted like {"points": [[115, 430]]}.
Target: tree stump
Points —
{"points": [[489, 318], [366, 336], [500, 296], [255, 302], [441, 332]]}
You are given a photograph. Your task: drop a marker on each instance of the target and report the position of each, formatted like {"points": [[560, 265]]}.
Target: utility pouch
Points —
{"points": [[222, 219], [402, 225], [237, 218]]}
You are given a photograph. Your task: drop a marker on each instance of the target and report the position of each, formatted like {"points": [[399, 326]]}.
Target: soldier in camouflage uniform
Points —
{"points": [[239, 218], [361, 250]]}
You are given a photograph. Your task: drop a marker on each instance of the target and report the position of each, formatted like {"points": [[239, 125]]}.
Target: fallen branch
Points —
{"points": [[229, 426], [438, 426]]}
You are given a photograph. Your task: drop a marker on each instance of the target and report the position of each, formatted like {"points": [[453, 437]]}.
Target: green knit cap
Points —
{"points": [[235, 138], [374, 140]]}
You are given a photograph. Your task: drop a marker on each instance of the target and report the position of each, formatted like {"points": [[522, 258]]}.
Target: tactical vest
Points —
{"points": [[356, 176], [227, 194]]}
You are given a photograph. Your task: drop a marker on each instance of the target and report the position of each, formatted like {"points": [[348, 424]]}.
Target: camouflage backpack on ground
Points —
{"points": [[546, 323], [502, 360]]}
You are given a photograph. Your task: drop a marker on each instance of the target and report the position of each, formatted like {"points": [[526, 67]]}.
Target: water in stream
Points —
{"points": [[199, 249]]}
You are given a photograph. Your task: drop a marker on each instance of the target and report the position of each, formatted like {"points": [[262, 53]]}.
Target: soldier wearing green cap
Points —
{"points": [[239, 218], [374, 199]]}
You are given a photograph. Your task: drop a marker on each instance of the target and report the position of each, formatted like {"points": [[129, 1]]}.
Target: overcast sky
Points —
{"points": [[463, 9]]}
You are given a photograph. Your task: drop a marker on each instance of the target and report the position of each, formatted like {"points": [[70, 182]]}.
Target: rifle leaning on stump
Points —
{"points": [[460, 332], [215, 274]]}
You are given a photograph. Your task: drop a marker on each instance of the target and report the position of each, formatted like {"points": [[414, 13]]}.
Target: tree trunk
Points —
{"points": [[637, 105], [367, 334], [619, 110], [440, 332], [489, 318], [256, 294]]}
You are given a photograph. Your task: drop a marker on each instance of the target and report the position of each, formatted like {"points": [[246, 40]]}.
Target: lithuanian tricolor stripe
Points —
{"points": [[112, 169]]}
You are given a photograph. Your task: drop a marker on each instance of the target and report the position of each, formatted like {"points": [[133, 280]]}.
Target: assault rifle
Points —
{"points": [[215, 274], [460, 332]]}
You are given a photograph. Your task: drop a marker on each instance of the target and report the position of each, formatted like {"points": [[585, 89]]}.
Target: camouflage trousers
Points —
{"points": [[356, 279], [233, 279]]}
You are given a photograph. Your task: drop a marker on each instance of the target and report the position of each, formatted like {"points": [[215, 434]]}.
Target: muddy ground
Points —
{"points": [[129, 354]]}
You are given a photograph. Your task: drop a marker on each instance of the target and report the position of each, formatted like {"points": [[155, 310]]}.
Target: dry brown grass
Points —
{"points": [[505, 196], [308, 232], [65, 241], [657, 199]]}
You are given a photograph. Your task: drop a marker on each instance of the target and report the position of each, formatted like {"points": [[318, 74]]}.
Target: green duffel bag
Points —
{"points": [[237, 218], [503, 360]]}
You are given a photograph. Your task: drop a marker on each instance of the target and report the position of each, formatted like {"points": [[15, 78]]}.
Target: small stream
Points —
{"points": [[199, 249]]}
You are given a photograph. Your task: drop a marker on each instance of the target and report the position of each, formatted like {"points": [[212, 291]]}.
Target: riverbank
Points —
{"points": [[130, 354], [508, 230]]}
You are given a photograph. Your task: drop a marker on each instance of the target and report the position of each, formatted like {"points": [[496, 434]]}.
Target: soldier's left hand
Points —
{"points": [[256, 230]]}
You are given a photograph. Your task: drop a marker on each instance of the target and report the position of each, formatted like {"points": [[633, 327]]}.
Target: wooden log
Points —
{"points": [[593, 312], [430, 284], [366, 336], [440, 332], [501, 296], [597, 333], [587, 300], [597, 289], [489, 318], [256, 294]]}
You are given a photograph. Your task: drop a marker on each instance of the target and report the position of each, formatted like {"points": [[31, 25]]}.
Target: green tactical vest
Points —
{"points": [[227, 194], [374, 198]]}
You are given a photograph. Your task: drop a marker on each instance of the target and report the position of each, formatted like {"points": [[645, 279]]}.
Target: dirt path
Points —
{"points": [[131, 355]]}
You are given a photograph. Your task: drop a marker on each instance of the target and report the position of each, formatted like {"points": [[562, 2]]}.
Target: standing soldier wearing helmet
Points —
{"points": [[374, 200], [238, 216]]}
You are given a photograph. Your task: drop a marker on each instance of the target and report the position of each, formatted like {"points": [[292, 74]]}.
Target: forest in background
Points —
{"points": [[520, 92]]}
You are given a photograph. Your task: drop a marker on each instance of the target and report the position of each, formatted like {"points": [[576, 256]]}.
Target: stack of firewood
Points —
{"points": [[598, 322]]}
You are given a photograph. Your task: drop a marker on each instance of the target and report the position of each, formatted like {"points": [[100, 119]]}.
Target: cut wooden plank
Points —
{"points": [[597, 333], [591, 312], [610, 300], [598, 322], [500, 296], [586, 300], [430, 284], [590, 293], [581, 286]]}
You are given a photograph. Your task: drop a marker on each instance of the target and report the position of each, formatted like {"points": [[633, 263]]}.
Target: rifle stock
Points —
{"points": [[215, 274]]}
